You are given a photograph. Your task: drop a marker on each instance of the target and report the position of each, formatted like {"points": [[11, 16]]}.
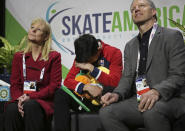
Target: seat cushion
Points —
{"points": [[85, 122]]}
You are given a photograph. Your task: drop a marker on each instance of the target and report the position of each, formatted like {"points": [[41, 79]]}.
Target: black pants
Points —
{"points": [[34, 117], [63, 103]]}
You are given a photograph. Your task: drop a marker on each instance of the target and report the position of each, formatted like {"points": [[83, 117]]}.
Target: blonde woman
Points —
{"points": [[36, 74]]}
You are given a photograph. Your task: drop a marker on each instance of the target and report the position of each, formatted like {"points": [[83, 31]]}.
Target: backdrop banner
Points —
{"points": [[108, 20]]}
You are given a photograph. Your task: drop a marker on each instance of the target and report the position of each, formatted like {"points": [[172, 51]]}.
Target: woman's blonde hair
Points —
{"points": [[47, 44]]}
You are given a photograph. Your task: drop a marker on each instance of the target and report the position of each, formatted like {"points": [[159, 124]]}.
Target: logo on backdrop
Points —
{"points": [[114, 26], [69, 23], [55, 14]]}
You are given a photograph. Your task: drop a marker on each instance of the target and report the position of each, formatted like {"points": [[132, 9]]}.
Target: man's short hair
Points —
{"points": [[152, 5], [86, 46]]}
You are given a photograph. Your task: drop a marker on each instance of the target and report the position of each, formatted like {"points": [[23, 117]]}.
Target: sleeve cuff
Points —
{"points": [[120, 96], [164, 94], [32, 96], [79, 88], [96, 73]]}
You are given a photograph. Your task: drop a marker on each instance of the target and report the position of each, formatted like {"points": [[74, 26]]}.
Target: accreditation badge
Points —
{"points": [[141, 87], [29, 87]]}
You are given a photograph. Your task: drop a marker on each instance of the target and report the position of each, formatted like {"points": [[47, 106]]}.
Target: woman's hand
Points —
{"points": [[21, 101]]}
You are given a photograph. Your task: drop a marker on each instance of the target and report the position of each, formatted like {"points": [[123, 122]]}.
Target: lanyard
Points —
{"points": [[150, 39], [24, 70]]}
